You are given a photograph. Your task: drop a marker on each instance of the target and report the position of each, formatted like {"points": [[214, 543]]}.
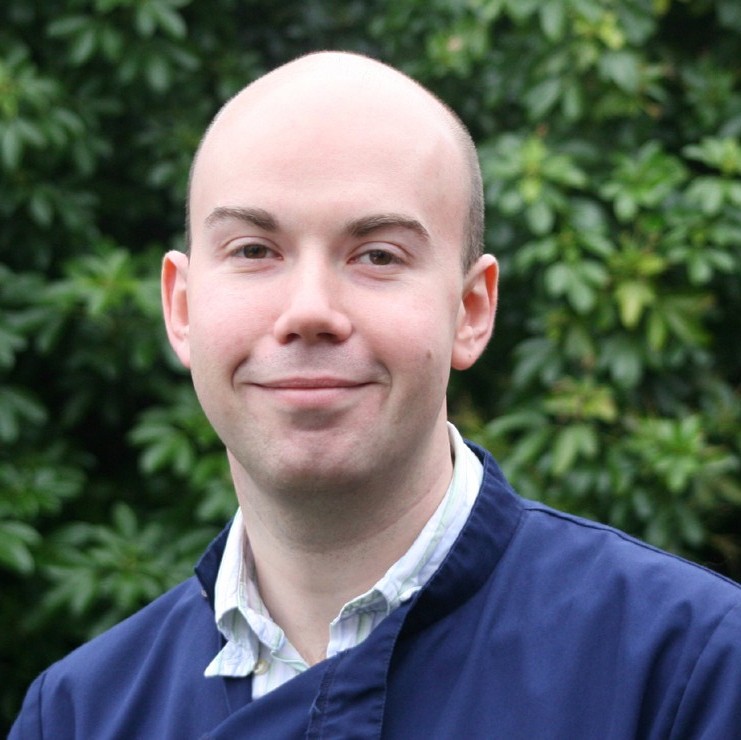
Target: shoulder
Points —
{"points": [[666, 626], [600, 617], [600, 553], [137, 633], [591, 584], [587, 585], [547, 562], [158, 652], [580, 551]]}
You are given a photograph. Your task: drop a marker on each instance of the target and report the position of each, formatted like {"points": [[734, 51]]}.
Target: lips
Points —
{"points": [[308, 383], [312, 394]]}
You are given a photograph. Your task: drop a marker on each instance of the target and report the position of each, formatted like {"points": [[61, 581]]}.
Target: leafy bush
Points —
{"points": [[610, 140]]}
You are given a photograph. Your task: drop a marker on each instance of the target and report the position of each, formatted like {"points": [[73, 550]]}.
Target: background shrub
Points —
{"points": [[610, 140]]}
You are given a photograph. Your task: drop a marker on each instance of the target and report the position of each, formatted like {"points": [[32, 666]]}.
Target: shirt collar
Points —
{"points": [[408, 574], [243, 619]]}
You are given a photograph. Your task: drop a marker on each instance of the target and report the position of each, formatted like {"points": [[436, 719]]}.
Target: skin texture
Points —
{"points": [[320, 311]]}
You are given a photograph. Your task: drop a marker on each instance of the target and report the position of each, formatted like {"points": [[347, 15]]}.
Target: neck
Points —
{"points": [[315, 552]]}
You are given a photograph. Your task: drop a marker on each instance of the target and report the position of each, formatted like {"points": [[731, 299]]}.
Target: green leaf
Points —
{"points": [[158, 73], [11, 146], [10, 344], [626, 207], [633, 298], [553, 19], [69, 25], [16, 542], [729, 14], [17, 408], [656, 331], [582, 297], [541, 98], [707, 193], [622, 67], [693, 531], [540, 217], [521, 10], [733, 193], [146, 19], [41, 208], [570, 443], [572, 100], [169, 20], [82, 47]]}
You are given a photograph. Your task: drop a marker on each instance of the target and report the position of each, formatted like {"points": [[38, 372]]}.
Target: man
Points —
{"points": [[380, 578]]}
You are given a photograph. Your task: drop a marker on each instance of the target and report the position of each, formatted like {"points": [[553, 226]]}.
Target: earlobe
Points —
{"points": [[175, 303], [478, 308]]}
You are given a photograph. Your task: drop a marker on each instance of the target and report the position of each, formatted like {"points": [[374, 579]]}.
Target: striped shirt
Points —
{"points": [[256, 645]]}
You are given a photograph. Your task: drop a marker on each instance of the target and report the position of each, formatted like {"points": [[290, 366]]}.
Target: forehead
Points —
{"points": [[316, 149], [357, 137], [329, 90]]}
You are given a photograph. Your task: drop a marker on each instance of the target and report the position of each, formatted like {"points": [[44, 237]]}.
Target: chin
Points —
{"points": [[309, 476], [313, 479]]}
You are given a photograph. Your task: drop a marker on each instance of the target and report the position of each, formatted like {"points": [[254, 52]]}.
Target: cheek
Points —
{"points": [[219, 330], [421, 344]]}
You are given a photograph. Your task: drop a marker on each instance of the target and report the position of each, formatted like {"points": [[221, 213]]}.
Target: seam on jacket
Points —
{"points": [[390, 658], [322, 699], [535, 508], [40, 704]]}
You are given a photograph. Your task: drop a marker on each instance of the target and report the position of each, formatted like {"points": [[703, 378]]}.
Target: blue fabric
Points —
{"points": [[537, 625]]}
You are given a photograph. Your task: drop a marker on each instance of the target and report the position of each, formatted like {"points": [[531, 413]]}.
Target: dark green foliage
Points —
{"points": [[610, 140]]}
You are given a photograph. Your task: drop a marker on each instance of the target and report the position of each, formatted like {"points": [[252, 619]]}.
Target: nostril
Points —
{"points": [[312, 323]]}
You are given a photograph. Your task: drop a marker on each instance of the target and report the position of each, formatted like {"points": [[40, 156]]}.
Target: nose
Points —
{"points": [[312, 310]]}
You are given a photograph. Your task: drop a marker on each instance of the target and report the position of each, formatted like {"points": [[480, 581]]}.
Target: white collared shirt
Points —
{"points": [[255, 644]]}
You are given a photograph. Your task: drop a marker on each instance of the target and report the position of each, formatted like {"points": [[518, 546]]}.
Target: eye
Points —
{"points": [[254, 251], [378, 257]]}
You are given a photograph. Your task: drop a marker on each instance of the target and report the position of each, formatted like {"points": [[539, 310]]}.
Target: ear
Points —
{"points": [[175, 303], [476, 314]]}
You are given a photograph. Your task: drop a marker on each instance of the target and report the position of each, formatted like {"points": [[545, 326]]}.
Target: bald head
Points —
{"points": [[311, 98]]}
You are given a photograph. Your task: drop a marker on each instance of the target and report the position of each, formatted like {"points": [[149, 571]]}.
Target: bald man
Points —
{"points": [[380, 578]]}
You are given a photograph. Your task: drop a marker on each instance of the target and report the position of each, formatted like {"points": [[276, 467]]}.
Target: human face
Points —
{"points": [[323, 302]]}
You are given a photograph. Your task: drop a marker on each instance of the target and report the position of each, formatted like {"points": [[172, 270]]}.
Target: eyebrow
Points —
{"points": [[255, 216], [368, 224], [359, 227]]}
